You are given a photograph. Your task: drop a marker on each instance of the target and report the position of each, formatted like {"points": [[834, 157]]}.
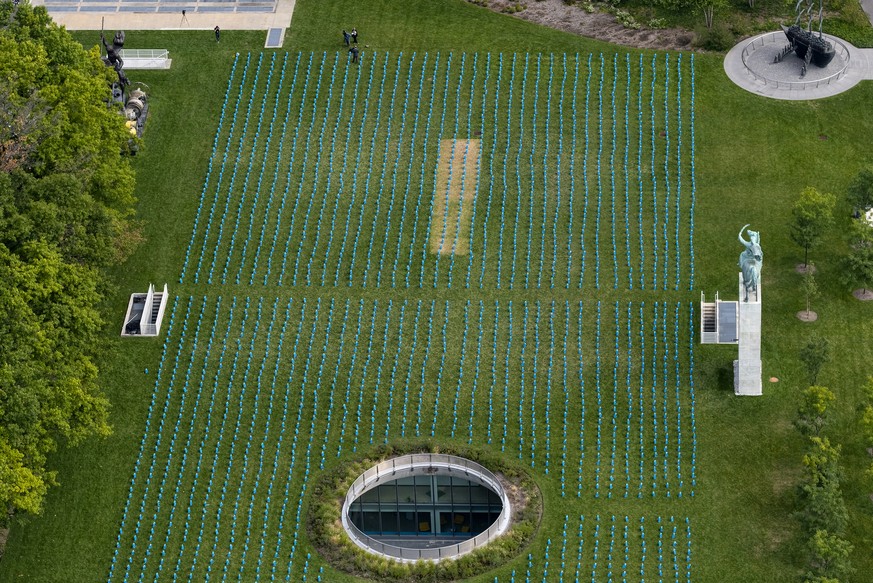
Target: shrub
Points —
{"points": [[627, 20], [718, 38]]}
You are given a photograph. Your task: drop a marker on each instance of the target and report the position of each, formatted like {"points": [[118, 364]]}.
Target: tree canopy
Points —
{"points": [[66, 204], [812, 214], [860, 191], [858, 263]]}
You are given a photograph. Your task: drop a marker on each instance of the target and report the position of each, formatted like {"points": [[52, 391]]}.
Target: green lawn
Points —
{"points": [[309, 324]]}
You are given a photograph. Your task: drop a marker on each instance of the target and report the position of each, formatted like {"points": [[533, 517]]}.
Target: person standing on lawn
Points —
{"points": [[346, 37], [354, 52], [355, 35]]}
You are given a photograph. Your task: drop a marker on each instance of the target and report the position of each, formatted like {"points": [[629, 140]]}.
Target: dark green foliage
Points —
{"points": [[814, 355], [715, 38], [821, 500], [813, 413], [821, 508], [860, 191], [858, 263], [65, 198], [866, 420], [829, 558], [811, 216], [851, 25]]}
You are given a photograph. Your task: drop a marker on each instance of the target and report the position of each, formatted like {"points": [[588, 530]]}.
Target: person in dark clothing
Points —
{"points": [[354, 52], [217, 34], [347, 37], [355, 35]]}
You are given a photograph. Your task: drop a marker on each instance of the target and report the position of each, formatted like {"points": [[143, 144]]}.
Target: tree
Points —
{"points": [[828, 557], [812, 414], [811, 216], [708, 7], [48, 389], [66, 196], [860, 191], [809, 286], [821, 500], [858, 264], [814, 355], [19, 486]]}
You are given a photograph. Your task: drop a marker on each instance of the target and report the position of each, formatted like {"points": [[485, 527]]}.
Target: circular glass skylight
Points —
{"points": [[425, 507]]}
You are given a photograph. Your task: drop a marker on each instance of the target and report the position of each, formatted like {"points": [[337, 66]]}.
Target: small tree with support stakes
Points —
{"points": [[811, 216], [810, 290]]}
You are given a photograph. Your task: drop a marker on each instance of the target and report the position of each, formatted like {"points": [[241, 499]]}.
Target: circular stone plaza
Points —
{"points": [[763, 65]]}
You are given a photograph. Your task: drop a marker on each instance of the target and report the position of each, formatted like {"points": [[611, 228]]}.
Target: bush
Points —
{"points": [[719, 38], [627, 20], [513, 8]]}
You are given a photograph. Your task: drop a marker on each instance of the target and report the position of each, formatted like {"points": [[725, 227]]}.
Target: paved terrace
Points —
{"points": [[167, 14]]}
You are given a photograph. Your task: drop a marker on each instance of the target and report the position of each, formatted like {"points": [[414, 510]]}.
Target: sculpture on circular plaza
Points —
{"points": [[811, 47]]}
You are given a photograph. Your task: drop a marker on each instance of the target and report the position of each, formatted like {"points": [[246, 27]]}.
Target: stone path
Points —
{"points": [[782, 81]]}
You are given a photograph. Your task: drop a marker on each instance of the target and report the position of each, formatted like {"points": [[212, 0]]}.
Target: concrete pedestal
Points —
{"points": [[747, 367]]}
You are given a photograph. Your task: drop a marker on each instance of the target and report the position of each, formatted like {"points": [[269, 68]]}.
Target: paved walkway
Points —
{"points": [[867, 5], [783, 80], [281, 18]]}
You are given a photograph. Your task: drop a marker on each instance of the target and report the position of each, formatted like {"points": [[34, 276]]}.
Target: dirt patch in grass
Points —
{"points": [[453, 199], [865, 295], [805, 316]]}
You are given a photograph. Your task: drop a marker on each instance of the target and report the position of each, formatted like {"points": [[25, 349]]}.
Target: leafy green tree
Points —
{"points": [[858, 264], [48, 390], [19, 486], [813, 412], [814, 355], [821, 499], [828, 557], [66, 196], [811, 216], [860, 191]]}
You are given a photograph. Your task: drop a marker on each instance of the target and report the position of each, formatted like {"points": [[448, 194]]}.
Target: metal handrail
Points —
{"points": [[145, 54], [772, 37], [412, 464]]}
